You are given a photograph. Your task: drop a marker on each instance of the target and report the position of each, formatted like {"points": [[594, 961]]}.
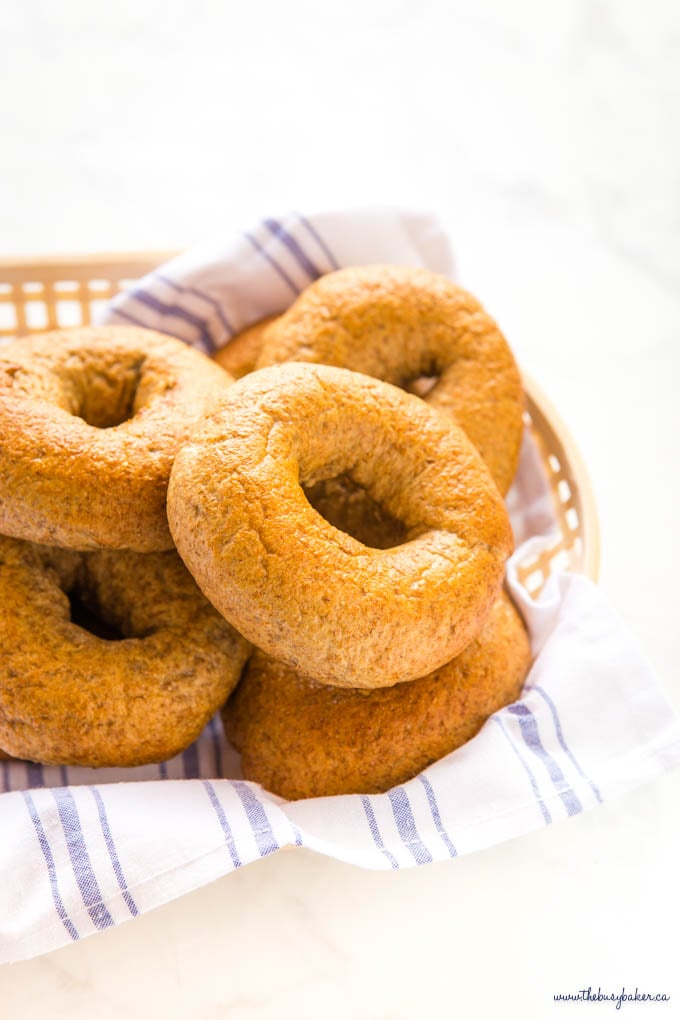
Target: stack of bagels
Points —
{"points": [[317, 548]]}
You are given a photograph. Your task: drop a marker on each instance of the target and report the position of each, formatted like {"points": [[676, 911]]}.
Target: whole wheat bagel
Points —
{"points": [[399, 324], [302, 739], [90, 421], [239, 356], [108, 658], [299, 588]]}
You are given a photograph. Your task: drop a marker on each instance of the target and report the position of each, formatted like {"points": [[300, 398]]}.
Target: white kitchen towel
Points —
{"points": [[82, 850]]}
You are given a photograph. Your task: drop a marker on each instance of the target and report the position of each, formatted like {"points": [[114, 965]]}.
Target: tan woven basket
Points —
{"points": [[48, 293]]}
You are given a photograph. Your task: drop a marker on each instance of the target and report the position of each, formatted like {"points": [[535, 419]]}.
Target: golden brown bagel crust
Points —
{"points": [[335, 498], [302, 739], [70, 698], [306, 592], [239, 356], [90, 421], [398, 324]]}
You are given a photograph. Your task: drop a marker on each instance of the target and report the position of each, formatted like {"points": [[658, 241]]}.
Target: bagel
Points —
{"points": [[73, 695], [400, 324], [297, 587], [239, 356], [301, 739], [90, 421]]}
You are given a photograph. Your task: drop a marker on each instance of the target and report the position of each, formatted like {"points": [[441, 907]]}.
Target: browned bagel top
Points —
{"points": [[398, 324], [90, 421], [240, 355], [109, 658]]}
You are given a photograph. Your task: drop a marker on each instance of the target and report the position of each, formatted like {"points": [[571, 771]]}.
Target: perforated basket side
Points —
{"points": [[37, 295], [577, 542]]}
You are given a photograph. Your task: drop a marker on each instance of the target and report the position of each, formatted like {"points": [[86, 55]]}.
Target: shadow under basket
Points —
{"points": [[41, 294]]}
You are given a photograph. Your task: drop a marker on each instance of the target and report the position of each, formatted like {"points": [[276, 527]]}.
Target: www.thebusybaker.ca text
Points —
{"points": [[588, 995]]}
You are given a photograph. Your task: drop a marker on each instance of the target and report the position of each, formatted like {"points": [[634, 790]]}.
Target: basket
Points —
{"points": [[39, 294]]}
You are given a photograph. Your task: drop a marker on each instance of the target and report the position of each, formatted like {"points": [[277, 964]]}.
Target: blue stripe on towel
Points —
{"points": [[265, 839], [375, 832], [273, 263], [215, 731], [51, 870], [560, 736], [35, 775], [183, 289], [175, 311], [534, 786], [297, 835], [113, 853], [130, 318], [80, 859], [319, 240], [406, 825], [529, 730], [436, 817], [293, 246], [190, 762], [222, 818]]}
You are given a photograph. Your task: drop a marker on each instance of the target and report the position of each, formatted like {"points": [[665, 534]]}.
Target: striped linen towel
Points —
{"points": [[82, 850]]}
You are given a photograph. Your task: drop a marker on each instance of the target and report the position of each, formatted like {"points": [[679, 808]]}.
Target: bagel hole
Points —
{"points": [[350, 508], [109, 393], [421, 385], [85, 616]]}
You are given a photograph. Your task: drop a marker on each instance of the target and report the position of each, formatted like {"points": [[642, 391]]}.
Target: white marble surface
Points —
{"points": [[547, 137]]}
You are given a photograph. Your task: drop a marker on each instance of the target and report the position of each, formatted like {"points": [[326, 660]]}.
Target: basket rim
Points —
{"points": [[542, 409], [73, 259]]}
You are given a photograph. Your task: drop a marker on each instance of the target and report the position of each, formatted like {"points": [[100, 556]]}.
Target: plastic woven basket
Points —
{"points": [[49, 293]]}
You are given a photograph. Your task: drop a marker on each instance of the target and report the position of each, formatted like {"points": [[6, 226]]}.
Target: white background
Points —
{"points": [[547, 136]]}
